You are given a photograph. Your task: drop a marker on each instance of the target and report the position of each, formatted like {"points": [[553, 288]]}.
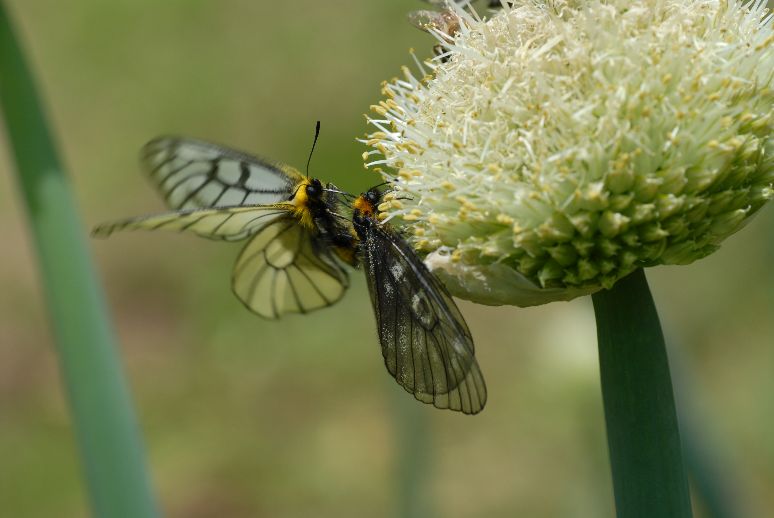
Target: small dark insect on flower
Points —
{"points": [[445, 21], [491, 4]]}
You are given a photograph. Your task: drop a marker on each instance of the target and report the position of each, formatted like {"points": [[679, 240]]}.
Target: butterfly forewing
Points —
{"points": [[192, 173], [425, 342]]}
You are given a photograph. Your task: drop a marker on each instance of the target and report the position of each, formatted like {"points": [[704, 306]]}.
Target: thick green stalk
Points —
{"points": [[104, 422], [649, 477]]}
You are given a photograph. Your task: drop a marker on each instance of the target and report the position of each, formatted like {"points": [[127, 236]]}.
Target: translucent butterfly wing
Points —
{"points": [[226, 223], [286, 269], [426, 344], [195, 174]]}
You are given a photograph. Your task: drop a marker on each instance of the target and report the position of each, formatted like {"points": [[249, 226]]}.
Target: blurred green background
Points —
{"points": [[244, 417]]}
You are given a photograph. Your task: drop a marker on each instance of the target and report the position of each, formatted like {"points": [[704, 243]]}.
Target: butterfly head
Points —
{"points": [[365, 210], [366, 204], [313, 189]]}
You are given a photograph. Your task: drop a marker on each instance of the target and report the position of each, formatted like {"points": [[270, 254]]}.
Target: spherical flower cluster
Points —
{"points": [[562, 144]]}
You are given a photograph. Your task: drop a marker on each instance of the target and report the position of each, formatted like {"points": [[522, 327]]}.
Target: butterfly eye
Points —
{"points": [[313, 190]]}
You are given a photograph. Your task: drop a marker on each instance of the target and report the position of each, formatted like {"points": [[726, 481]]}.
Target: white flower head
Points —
{"points": [[560, 145]]}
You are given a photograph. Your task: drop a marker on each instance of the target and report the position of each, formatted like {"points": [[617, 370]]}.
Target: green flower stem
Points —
{"points": [[104, 422], [649, 477]]}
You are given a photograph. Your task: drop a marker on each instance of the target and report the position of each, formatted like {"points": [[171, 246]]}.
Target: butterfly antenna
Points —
{"points": [[316, 134]]}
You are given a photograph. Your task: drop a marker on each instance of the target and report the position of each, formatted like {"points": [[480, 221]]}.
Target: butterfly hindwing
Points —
{"points": [[286, 269]]}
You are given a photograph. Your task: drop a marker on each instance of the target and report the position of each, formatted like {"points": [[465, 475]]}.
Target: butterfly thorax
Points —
{"points": [[307, 201], [365, 211], [318, 209]]}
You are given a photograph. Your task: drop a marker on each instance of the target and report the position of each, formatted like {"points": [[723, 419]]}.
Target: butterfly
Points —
{"points": [[292, 262], [426, 344]]}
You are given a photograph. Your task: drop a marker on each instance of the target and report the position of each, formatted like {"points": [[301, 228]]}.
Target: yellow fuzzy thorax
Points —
{"points": [[300, 202]]}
